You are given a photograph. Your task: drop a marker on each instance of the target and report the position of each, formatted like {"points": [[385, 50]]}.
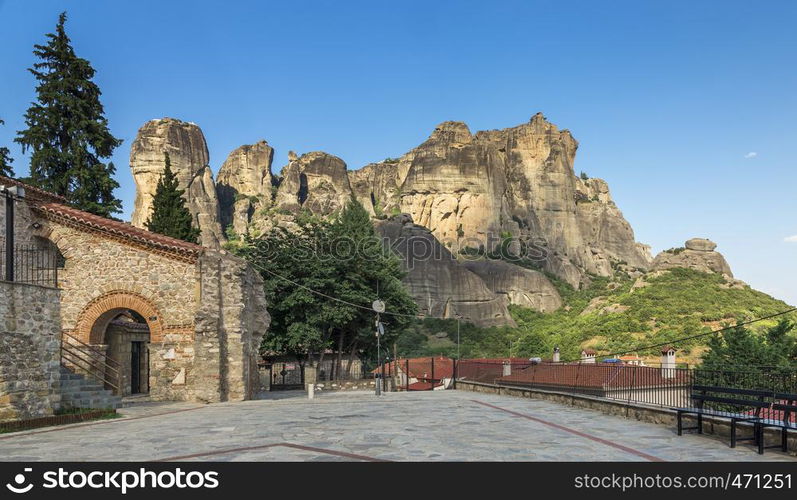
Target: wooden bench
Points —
{"points": [[786, 404], [744, 399]]}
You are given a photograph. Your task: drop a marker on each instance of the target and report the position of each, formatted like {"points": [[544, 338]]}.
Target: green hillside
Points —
{"points": [[612, 315]]}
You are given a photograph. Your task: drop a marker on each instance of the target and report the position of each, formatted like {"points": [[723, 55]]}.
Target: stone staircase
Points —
{"points": [[79, 392]]}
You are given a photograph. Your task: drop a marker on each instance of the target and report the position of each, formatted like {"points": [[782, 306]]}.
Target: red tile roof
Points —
{"points": [[596, 376], [488, 369], [54, 206], [117, 229], [32, 192]]}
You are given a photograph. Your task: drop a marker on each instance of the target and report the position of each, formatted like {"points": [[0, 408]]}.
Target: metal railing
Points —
{"points": [[332, 371], [91, 361], [662, 386], [417, 374], [30, 264]]}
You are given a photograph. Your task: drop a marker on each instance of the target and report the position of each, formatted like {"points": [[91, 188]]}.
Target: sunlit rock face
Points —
{"points": [[317, 182], [476, 191], [188, 153], [511, 192], [697, 254], [245, 185]]}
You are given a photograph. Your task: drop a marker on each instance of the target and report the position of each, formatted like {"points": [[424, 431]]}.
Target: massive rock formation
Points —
{"points": [[508, 192], [697, 254], [523, 287], [317, 182], [477, 191], [188, 152], [442, 287], [244, 185]]}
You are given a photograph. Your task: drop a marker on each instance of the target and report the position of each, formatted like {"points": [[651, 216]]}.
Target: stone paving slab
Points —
{"points": [[415, 426]]}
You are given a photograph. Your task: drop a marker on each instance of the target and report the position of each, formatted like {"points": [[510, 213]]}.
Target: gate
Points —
{"points": [[286, 376]]}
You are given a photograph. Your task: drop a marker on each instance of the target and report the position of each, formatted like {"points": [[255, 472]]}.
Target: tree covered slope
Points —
{"points": [[612, 315]]}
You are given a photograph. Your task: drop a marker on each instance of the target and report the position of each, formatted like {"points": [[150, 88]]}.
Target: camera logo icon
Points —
{"points": [[19, 485]]}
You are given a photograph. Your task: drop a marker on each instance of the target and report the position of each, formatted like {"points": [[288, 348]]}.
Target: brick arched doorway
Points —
{"points": [[121, 325], [93, 320]]}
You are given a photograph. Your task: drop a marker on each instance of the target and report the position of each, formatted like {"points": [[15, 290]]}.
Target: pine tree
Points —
{"points": [[67, 130], [170, 216], [5, 161]]}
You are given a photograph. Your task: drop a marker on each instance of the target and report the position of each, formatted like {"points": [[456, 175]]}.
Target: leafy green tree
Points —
{"points": [[368, 270], [5, 160], [67, 131], [320, 279], [739, 349], [170, 216]]}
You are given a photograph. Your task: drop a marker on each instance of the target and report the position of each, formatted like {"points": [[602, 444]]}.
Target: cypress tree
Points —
{"points": [[170, 216], [67, 130], [5, 161]]}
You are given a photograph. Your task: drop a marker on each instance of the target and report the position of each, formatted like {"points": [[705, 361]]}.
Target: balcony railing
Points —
{"points": [[30, 264]]}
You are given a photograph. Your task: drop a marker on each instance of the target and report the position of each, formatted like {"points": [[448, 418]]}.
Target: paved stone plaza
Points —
{"points": [[440, 425]]}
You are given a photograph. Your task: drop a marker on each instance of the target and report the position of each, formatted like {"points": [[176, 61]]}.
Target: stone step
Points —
{"points": [[86, 395], [78, 391]]}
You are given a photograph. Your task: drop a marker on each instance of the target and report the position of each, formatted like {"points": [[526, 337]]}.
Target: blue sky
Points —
{"points": [[688, 109]]}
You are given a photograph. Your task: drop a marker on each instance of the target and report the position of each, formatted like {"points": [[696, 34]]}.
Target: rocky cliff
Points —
{"points": [[441, 285], [697, 254], [520, 286], [189, 157], [245, 185], [317, 182], [478, 191], [510, 192]]}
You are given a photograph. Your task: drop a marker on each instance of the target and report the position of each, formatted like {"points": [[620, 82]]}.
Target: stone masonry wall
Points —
{"points": [[22, 219], [30, 340], [206, 315], [230, 324], [97, 265]]}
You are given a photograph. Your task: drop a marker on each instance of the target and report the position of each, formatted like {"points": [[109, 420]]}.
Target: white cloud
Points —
{"points": [[791, 239], [751, 154]]}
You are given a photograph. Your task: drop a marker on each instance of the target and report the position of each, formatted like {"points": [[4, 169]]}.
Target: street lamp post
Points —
{"points": [[379, 307]]}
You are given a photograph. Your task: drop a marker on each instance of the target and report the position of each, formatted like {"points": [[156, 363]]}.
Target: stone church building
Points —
{"points": [[172, 319]]}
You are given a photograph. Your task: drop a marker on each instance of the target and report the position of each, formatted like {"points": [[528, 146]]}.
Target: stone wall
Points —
{"points": [[98, 267], [206, 313], [22, 218], [29, 351], [230, 324]]}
